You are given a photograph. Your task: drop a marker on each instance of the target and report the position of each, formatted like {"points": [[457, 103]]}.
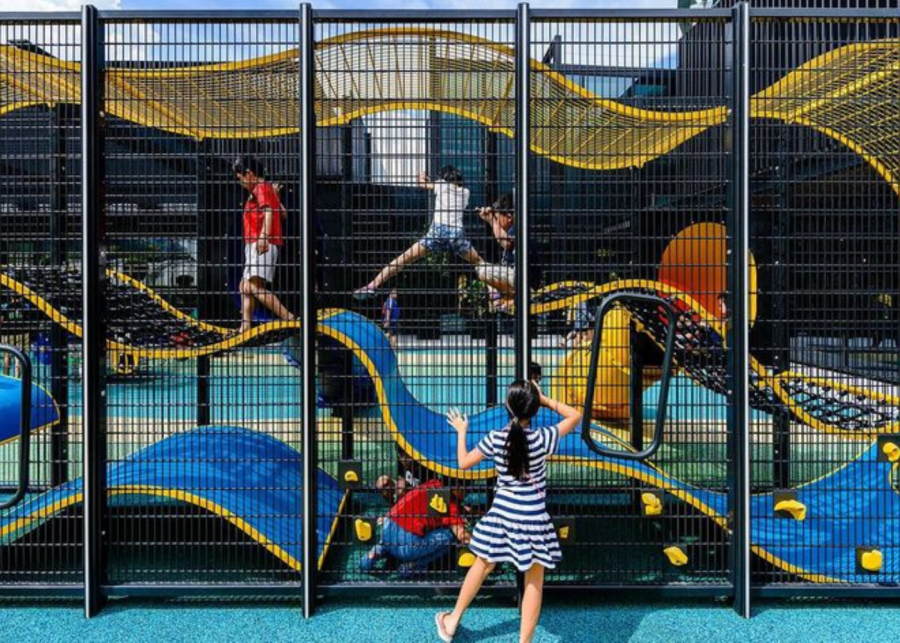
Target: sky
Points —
{"points": [[74, 5]]}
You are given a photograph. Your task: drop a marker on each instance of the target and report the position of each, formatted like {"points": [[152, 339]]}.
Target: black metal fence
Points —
{"points": [[267, 417]]}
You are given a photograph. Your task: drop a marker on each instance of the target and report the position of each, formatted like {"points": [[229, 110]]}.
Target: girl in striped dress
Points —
{"points": [[517, 528]]}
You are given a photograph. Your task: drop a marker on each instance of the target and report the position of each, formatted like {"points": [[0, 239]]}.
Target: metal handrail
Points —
{"points": [[24, 426], [662, 404]]}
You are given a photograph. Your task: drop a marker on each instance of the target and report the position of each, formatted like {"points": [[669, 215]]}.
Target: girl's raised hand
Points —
{"points": [[459, 421], [544, 400]]}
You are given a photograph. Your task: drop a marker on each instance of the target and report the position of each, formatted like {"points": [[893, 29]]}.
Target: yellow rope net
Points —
{"points": [[849, 94]]}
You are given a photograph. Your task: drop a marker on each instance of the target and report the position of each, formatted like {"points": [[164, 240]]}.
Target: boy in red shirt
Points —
{"points": [[412, 537], [262, 241]]}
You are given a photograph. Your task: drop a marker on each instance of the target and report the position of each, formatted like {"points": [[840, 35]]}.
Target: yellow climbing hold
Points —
{"points": [[438, 504], [125, 363], [871, 560], [892, 451], [363, 530], [652, 504], [466, 559], [676, 555], [795, 508], [351, 476]]}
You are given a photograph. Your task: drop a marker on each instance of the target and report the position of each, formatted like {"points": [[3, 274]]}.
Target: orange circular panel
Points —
{"points": [[695, 262]]}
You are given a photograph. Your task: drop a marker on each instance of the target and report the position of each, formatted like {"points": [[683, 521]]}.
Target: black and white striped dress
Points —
{"points": [[517, 529]]}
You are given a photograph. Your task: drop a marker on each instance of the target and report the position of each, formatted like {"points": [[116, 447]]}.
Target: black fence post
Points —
{"points": [[522, 132], [738, 296], [491, 183], [522, 84], [93, 295], [636, 382], [308, 307], [206, 207], [60, 121], [779, 336]]}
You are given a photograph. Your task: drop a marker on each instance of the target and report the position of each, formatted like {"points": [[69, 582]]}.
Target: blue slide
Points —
{"points": [[855, 506], [43, 409], [250, 479]]}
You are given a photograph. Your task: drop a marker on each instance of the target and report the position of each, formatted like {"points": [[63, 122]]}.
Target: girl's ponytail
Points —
{"points": [[517, 451], [523, 402]]}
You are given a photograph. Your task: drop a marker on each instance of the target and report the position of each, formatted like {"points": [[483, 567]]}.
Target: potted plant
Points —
{"points": [[473, 305]]}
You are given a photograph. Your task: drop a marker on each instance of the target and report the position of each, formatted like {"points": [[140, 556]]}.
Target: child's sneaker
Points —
{"points": [[411, 570], [366, 292], [369, 560]]}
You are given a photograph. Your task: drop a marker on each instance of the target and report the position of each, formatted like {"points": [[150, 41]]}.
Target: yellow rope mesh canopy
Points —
{"points": [[28, 79], [849, 94], [252, 99], [374, 71]]}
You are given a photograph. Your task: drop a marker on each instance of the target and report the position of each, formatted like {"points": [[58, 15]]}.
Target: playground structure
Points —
{"points": [[200, 469]]}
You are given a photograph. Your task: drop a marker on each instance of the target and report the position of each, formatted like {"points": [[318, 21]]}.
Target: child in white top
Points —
{"points": [[445, 235]]}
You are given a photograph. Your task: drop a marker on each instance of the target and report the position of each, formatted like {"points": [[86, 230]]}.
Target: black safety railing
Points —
{"points": [[253, 257]]}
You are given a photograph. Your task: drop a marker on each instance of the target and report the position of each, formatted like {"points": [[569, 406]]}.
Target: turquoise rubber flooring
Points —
{"points": [[402, 620]]}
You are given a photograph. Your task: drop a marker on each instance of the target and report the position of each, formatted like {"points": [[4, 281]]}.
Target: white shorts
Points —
{"points": [[260, 265]]}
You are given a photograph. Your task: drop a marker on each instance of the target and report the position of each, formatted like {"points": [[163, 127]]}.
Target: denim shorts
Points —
{"points": [[441, 238]]}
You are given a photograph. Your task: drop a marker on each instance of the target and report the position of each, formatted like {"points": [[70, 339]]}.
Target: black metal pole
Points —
{"points": [[59, 339], [779, 338], [491, 182], [346, 410], [308, 307], [738, 286], [522, 318], [636, 379], [522, 132], [206, 206], [94, 341]]}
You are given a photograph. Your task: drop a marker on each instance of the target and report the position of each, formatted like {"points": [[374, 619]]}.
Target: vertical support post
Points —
{"points": [[94, 341], [491, 182], [59, 339], [522, 132], [346, 210], [779, 339], [308, 319], [523, 141], [738, 305], [206, 204], [345, 412], [636, 379]]}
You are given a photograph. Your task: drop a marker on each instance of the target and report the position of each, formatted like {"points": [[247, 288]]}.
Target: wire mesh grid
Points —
{"points": [[202, 257], [632, 196], [40, 222], [825, 235], [409, 150], [630, 191]]}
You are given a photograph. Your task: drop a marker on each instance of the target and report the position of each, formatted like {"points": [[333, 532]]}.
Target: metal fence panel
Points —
{"points": [[613, 149], [40, 257], [825, 237], [405, 110], [630, 194]]}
